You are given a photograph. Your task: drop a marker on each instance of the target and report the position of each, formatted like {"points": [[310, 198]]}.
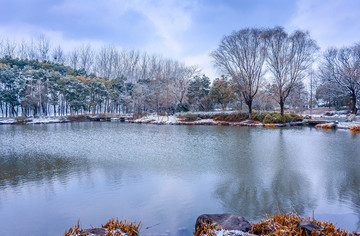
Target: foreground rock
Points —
{"points": [[307, 226], [228, 222]]}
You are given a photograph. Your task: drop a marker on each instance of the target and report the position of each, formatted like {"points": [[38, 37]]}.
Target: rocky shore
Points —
{"points": [[228, 225], [321, 122]]}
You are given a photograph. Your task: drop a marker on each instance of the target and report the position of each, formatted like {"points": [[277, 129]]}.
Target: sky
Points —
{"points": [[184, 30]]}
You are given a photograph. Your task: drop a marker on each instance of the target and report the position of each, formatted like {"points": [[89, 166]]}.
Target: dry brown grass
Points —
{"points": [[286, 224], [270, 126], [207, 229], [324, 126], [112, 227], [355, 129]]}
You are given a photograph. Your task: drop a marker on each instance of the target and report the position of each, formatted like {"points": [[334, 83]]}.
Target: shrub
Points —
{"points": [[188, 117], [287, 224], [259, 115], [233, 117], [22, 119], [278, 118]]}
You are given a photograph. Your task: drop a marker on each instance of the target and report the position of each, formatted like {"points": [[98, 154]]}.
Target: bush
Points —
{"points": [[278, 118], [233, 117], [259, 115], [22, 119], [188, 117]]}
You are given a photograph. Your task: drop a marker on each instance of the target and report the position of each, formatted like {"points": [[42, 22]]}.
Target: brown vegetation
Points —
{"points": [[207, 229], [355, 129], [287, 224], [111, 228], [324, 126]]}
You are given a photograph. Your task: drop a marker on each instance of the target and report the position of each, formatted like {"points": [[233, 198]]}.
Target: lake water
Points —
{"points": [[166, 176]]}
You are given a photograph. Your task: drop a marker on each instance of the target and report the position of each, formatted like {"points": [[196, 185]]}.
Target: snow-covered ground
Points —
{"points": [[347, 125], [40, 120], [158, 119], [224, 232], [7, 121], [45, 120]]}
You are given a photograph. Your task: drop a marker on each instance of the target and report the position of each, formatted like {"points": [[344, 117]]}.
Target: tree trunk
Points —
{"points": [[353, 103], [281, 103], [249, 104]]}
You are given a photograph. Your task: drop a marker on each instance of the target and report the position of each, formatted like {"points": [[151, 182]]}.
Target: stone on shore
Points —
{"points": [[307, 226], [226, 221]]}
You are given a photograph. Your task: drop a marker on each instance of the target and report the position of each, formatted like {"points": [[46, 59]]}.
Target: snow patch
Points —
{"points": [[158, 119], [347, 125], [231, 232]]}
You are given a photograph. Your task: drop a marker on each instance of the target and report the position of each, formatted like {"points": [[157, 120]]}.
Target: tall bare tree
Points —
{"points": [[43, 46], [9, 48], [86, 56], [289, 58], [241, 56], [341, 68], [73, 59], [58, 55]]}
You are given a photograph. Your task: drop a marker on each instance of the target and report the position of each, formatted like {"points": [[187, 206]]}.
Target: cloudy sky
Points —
{"points": [[186, 30]]}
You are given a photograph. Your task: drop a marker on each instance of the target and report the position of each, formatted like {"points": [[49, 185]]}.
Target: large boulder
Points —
{"points": [[227, 221], [307, 226]]}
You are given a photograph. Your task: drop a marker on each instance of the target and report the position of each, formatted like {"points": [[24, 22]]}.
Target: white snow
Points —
{"points": [[7, 121], [45, 120], [158, 119], [205, 121], [231, 232], [347, 125]]}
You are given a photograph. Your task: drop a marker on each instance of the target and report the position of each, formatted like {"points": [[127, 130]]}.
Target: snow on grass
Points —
{"points": [[347, 125], [224, 232], [7, 121], [45, 120], [205, 121], [158, 119]]}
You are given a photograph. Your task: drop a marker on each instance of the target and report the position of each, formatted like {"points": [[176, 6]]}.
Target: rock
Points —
{"points": [[350, 118], [227, 221], [307, 226], [94, 231]]}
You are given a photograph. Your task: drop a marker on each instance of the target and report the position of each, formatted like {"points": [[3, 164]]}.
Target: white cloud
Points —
{"points": [[331, 23], [26, 32], [204, 61], [170, 19]]}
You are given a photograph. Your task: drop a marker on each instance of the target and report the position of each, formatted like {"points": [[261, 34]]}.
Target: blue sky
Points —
{"points": [[180, 29]]}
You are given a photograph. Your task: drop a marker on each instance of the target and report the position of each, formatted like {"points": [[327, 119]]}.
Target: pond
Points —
{"points": [[53, 175]]}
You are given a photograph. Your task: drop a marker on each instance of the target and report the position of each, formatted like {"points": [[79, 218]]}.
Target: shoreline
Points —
{"points": [[320, 122]]}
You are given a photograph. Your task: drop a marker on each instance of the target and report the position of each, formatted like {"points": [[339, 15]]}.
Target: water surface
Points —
{"points": [[165, 176]]}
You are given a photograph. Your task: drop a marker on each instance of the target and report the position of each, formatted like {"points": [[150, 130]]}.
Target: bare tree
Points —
{"points": [[241, 55], [32, 51], [86, 56], [23, 50], [9, 48], [58, 55], [341, 68], [74, 59], [104, 61], [289, 57], [43, 46]]}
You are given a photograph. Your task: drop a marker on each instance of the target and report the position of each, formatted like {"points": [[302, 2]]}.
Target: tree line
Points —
{"points": [[249, 55], [262, 68]]}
